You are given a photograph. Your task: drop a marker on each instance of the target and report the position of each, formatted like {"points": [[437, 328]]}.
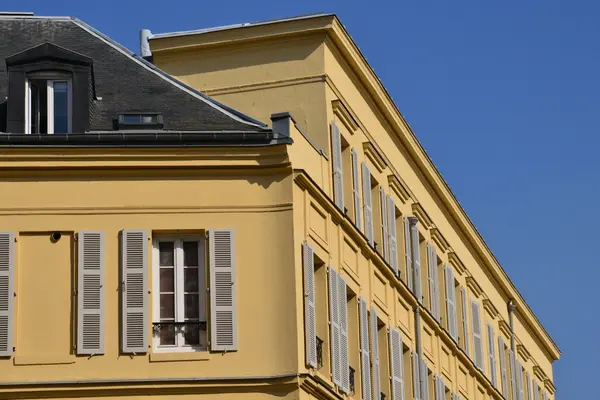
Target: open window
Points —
{"points": [[353, 343], [48, 103], [384, 360], [321, 317]]}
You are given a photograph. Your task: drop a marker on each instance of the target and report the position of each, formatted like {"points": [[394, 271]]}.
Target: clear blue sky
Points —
{"points": [[503, 96]]}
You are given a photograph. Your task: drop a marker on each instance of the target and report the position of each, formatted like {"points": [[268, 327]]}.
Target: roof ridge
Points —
{"points": [[232, 113]]}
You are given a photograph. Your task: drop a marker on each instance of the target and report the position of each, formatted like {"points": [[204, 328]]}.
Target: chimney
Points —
{"points": [[145, 35]]}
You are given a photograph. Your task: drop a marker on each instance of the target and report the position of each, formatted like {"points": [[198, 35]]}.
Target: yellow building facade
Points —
{"points": [[396, 293]]}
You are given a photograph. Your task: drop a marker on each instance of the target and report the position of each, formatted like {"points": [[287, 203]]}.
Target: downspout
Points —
{"points": [[511, 309], [413, 223]]}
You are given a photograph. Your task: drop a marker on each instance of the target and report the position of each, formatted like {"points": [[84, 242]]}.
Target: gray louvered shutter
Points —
{"points": [[223, 304], [465, 320], [477, 342], [134, 248], [393, 237], [424, 381], [356, 189], [536, 391], [520, 385], [528, 383], [334, 326], [365, 357], [310, 322], [451, 303], [338, 180], [440, 388], [408, 254], [90, 292], [375, 354], [436, 286], [513, 377], [545, 395], [416, 371], [344, 361], [384, 225], [416, 259], [396, 364], [491, 341], [367, 203], [503, 371], [7, 273]]}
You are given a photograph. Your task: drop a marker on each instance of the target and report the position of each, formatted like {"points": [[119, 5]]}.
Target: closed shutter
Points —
{"points": [[356, 189], [490, 336], [528, 383], [503, 371], [520, 385], [134, 248], [424, 381], [393, 241], [451, 303], [408, 253], [465, 319], [7, 273], [416, 371], [90, 292], [397, 367], [384, 225], [338, 180], [375, 353], [310, 323], [367, 203], [436, 286], [223, 290], [545, 395], [416, 258], [513, 376], [365, 358], [536, 391], [344, 361], [440, 389], [334, 326], [477, 340]]}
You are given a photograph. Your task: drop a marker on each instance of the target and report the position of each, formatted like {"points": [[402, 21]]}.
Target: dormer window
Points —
{"points": [[48, 104]]}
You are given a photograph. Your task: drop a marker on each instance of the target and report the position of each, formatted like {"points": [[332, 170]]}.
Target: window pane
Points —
{"points": [[190, 254], [167, 282], [192, 306], [190, 279], [61, 107], [192, 334], [167, 254], [167, 306], [167, 335]]}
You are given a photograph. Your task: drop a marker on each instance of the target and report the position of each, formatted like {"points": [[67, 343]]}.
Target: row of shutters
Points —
{"points": [[134, 291]]}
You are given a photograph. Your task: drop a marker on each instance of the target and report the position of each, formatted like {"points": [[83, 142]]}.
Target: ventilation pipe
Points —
{"points": [[145, 35]]}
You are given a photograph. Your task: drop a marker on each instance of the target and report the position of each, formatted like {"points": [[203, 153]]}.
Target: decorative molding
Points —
{"points": [[474, 286], [490, 308], [549, 385], [344, 114], [374, 156], [423, 217], [455, 262], [504, 328], [439, 239], [401, 189], [539, 373], [522, 351]]}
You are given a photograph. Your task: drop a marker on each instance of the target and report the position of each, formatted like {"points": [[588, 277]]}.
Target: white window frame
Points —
{"points": [[179, 282], [50, 80]]}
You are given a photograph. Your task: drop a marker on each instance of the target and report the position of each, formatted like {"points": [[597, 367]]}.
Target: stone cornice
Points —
{"points": [[539, 373], [474, 286], [344, 114], [522, 351], [422, 215], [490, 308], [504, 328], [374, 156], [401, 189], [456, 263], [439, 239], [549, 386]]}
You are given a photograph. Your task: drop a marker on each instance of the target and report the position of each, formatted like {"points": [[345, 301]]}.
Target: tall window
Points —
{"points": [[48, 105], [179, 294]]}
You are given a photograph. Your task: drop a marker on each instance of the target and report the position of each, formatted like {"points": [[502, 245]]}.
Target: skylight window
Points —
{"points": [[140, 121]]}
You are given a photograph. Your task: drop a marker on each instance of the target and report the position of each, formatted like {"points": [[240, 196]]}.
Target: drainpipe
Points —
{"points": [[413, 223], [511, 309], [144, 43]]}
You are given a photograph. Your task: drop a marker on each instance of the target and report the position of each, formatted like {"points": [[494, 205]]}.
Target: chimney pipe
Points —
{"points": [[145, 34]]}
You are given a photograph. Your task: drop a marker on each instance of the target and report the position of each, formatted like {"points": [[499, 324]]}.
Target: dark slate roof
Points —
{"points": [[123, 81]]}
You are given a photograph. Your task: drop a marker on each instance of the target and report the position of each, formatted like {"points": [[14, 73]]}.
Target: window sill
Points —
{"points": [[181, 356], [44, 360]]}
